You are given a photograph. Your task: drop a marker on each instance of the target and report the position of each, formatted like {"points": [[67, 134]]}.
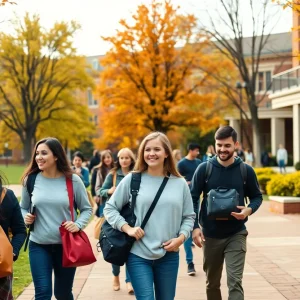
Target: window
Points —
{"points": [[264, 81], [261, 82], [268, 80], [96, 119], [90, 97]]}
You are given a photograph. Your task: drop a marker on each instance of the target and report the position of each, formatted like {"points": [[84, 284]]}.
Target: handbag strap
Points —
{"points": [[115, 179], [159, 192], [71, 196]]}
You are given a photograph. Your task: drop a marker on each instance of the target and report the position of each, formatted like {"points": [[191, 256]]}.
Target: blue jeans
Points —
{"points": [[100, 208], [116, 272], [162, 273], [43, 259], [188, 250]]}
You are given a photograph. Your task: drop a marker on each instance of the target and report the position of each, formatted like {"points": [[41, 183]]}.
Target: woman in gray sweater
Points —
{"points": [[51, 201], [154, 258]]}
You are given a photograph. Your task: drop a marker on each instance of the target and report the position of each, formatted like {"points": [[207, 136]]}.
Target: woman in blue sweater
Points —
{"points": [[124, 165], [10, 219]]}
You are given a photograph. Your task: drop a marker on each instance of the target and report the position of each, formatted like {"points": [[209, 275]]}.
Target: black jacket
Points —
{"points": [[229, 177], [11, 218]]}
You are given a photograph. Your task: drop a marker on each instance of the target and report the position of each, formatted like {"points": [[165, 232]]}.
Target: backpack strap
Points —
{"points": [[134, 188], [208, 171]]}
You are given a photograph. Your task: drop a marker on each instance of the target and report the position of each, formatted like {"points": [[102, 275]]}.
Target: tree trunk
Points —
{"points": [[28, 145], [256, 135]]}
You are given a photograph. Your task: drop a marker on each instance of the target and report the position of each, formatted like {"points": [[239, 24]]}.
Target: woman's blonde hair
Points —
{"points": [[117, 164], [169, 163]]}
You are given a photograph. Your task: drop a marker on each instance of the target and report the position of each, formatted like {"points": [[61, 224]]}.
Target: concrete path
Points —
{"points": [[272, 268]]}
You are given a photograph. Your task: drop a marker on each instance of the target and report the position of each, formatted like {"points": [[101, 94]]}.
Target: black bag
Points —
{"points": [[115, 244], [222, 201]]}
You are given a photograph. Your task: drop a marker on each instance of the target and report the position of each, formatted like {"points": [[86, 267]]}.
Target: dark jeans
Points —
{"points": [[160, 273], [116, 272], [43, 259]]}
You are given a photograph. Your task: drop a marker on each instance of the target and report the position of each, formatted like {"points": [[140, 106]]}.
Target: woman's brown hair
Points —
{"points": [[101, 166], [169, 163], [58, 151]]}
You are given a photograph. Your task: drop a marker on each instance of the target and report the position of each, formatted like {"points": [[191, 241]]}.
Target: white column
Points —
{"points": [[296, 132], [277, 134], [235, 124]]}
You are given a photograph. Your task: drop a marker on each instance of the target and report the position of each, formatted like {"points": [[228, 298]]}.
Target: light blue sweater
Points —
{"points": [[50, 196], [173, 214]]}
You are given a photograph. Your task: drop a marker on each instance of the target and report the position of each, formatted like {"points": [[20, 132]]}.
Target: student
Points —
{"points": [[10, 219], [99, 174], [177, 155], [154, 258], [221, 239], [124, 165], [81, 171], [50, 198], [282, 158], [210, 152], [187, 167]]}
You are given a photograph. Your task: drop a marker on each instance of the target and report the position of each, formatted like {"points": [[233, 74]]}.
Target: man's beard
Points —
{"points": [[229, 155]]}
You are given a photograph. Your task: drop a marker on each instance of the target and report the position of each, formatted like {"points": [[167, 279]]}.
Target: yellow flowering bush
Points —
{"points": [[284, 185], [264, 175], [265, 171]]}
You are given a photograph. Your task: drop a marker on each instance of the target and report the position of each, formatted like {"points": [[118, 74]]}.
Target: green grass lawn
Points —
{"points": [[13, 173], [22, 274]]}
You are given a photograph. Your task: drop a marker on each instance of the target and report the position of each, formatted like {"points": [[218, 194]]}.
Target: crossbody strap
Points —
{"points": [[71, 196], [149, 212], [134, 189]]}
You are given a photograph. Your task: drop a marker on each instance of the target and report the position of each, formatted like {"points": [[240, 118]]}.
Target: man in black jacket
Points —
{"points": [[224, 239]]}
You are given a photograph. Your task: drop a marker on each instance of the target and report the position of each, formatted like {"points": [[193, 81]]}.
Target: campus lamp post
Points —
{"points": [[240, 87]]}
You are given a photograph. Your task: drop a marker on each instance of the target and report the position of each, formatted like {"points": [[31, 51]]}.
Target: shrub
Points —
{"points": [[265, 171], [284, 185], [297, 166], [263, 179]]}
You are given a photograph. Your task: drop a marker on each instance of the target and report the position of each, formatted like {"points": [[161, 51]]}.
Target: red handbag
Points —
{"points": [[77, 249]]}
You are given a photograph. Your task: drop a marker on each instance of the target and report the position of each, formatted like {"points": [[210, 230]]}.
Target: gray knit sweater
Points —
{"points": [[173, 214]]}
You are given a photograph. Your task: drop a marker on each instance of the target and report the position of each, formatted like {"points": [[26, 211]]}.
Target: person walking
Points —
{"points": [[51, 201], [81, 171], [154, 259], [124, 165], [95, 160], [177, 155], [99, 174], [249, 159], [282, 158], [10, 220], [187, 167], [210, 152], [224, 238]]}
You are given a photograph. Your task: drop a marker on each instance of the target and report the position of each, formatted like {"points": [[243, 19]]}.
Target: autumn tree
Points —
{"points": [[150, 80], [40, 76], [226, 28], [4, 2]]}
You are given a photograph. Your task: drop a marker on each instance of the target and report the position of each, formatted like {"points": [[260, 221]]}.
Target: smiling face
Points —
{"points": [[154, 153], [124, 159], [225, 148], [45, 158], [77, 162], [107, 160]]}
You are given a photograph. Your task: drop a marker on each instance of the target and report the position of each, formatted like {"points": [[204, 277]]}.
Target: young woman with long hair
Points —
{"points": [[154, 258], [124, 165], [10, 219], [51, 202], [99, 174]]}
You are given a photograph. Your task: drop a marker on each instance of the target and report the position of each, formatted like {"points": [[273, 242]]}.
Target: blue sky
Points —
{"points": [[100, 17]]}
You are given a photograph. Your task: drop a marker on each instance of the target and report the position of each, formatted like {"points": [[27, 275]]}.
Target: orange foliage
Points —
{"points": [[151, 79]]}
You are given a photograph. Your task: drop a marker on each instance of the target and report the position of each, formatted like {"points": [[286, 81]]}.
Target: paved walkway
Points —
{"points": [[272, 268]]}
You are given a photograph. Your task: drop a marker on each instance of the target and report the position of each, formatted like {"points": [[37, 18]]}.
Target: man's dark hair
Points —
{"points": [[193, 146], [226, 132]]}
